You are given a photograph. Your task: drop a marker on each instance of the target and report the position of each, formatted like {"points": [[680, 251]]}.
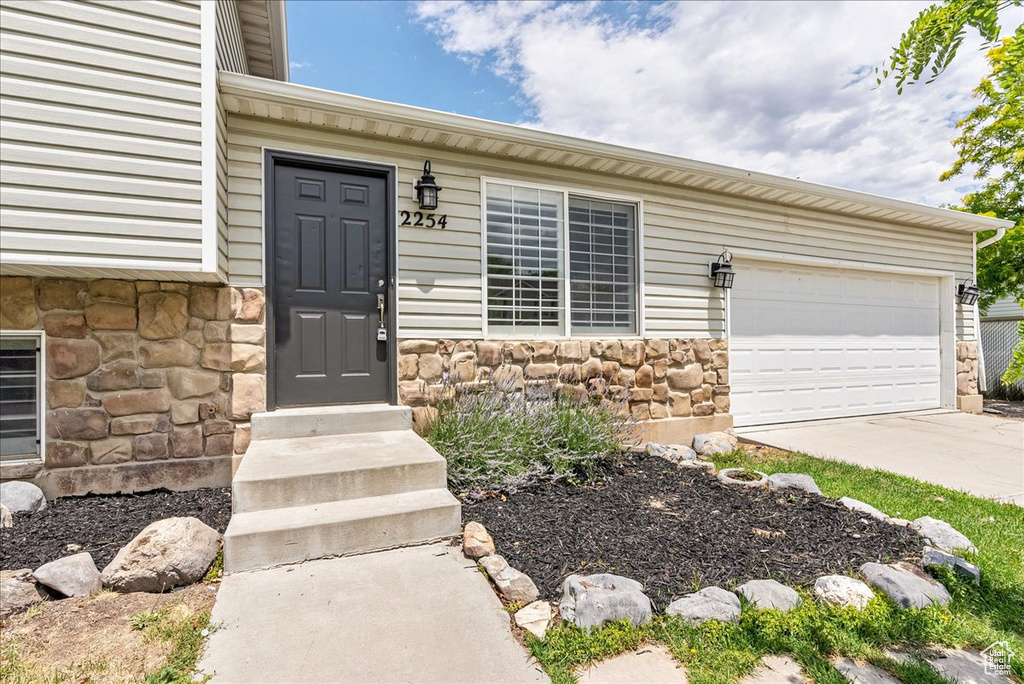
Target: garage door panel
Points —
{"points": [[811, 343]]}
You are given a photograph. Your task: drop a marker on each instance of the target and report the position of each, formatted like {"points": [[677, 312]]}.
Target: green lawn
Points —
{"points": [[813, 633]]}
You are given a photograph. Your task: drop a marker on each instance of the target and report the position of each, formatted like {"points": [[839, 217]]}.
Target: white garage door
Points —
{"points": [[809, 343]]}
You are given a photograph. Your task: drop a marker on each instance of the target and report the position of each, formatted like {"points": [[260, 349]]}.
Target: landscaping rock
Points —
{"points": [[513, 585], [18, 594], [535, 618], [166, 554], [594, 600], [712, 603], [706, 466], [861, 507], [942, 535], [905, 588], [671, 453], [22, 497], [936, 558], [71, 576], [793, 481], [6, 519], [863, 673], [843, 591], [769, 595], [476, 542], [715, 443], [726, 475]]}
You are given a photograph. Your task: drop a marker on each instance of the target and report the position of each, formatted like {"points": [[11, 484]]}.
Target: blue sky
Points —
{"points": [[780, 87]]}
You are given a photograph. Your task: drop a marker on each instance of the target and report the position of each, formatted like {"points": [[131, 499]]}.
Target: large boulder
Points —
{"points": [[168, 553], [936, 558], [907, 589], [861, 507], [843, 591], [942, 535], [769, 595], [799, 481], [594, 600], [476, 541], [22, 497], [18, 592], [513, 584], [71, 576], [674, 453], [713, 443], [712, 603]]}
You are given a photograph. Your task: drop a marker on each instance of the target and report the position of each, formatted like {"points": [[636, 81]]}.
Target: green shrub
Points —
{"points": [[496, 439]]}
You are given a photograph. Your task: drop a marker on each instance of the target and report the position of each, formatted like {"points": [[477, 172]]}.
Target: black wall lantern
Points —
{"points": [[721, 270], [967, 292], [427, 189]]}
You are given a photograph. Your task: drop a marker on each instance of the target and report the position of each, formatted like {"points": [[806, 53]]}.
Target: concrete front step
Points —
{"points": [[280, 473], [264, 539], [317, 421]]}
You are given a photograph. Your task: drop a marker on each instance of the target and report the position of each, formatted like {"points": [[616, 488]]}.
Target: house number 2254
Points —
{"points": [[418, 218]]}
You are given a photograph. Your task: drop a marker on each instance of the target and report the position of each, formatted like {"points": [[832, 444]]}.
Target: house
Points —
{"points": [[1000, 335], [187, 239]]}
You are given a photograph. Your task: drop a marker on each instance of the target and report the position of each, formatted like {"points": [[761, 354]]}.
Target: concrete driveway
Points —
{"points": [[982, 455]]}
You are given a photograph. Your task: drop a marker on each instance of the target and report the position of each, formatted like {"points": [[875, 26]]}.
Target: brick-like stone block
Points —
{"points": [[242, 437], [162, 315], [219, 444], [142, 286], [65, 454], [573, 351], [168, 353], [701, 350], [686, 378], [462, 367], [17, 303], [431, 367], [488, 354], [113, 291], [71, 358], [966, 383], [408, 367], [508, 378], [181, 288], [413, 393], [417, 346], [656, 349], [659, 392], [248, 395], [111, 450], [186, 383], [116, 345], [226, 331], [719, 359], [517, 352], [723, 376], [544, 351], [234, 357], [592, 368], [722, 403], [608, 350], [218, 427], [71, 325], [250, 309], [152, 379], [132, 402], [187, 442], [64, 393], [184, 412], [109, 316], [633, 353], [133, 425], [56, 293], [151, 447], [718, 344], [679, 405], [541, 371], [659, 411], [644, 376], [640, 394], [119, 375], [214, 303], [422, 418], [569, 373], [705, 409]]}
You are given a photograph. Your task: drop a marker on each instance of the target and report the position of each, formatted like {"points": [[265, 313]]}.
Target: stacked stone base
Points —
{"points": [[968, 398], [147, 384], [673, 386]]}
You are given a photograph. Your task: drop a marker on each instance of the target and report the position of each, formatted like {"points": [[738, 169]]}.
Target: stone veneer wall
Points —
{"points": [[966, 368], [663, 378], [141, 376]]}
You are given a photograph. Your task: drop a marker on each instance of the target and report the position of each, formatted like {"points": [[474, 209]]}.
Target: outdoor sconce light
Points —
{"points": [[426, 189], [967, 292], [721, 271]]}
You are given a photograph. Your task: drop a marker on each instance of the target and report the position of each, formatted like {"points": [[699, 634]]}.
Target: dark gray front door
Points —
{"points": [[331, 256]]}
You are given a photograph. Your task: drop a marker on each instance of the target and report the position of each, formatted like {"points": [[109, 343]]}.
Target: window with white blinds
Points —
{"points": [[19, 397], [528, 293]]}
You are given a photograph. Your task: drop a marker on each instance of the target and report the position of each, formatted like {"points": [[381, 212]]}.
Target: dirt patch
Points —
{"points": [[103, 524], [93, 639], [675, 530], [1013, 410]]}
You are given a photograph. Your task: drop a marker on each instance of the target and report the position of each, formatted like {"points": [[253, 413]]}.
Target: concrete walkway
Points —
{"points": [[421, 614], [982, 455]]}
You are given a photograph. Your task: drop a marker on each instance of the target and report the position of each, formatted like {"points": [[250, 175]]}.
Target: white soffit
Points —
{"points": [[258, 97]]}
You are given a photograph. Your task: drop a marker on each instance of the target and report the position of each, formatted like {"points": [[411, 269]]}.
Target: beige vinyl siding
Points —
{"points": [[100, 121], [440, 270], [230, 43]]}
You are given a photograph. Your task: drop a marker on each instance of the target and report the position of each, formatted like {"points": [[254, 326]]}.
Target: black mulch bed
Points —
{"points": [[673, 529], [102, 524]]}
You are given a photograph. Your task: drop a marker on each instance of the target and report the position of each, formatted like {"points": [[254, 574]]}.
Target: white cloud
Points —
{"points": [[299, 65], [786, 88]]}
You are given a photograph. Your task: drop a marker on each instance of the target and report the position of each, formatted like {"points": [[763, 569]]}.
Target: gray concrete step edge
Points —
{"points": [[265, 539], [314, 421], [297, 472]]}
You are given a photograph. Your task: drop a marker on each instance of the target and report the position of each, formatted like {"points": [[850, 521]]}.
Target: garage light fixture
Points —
{"points": [[967, 292], [721, 271], [427, 189]]}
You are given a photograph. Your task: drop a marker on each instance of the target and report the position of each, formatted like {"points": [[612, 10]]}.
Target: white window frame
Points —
{"points": [[40, 394], [566, 331]]}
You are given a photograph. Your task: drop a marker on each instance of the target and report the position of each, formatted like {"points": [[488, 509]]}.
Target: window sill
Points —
{"points": [[24, 469]]}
